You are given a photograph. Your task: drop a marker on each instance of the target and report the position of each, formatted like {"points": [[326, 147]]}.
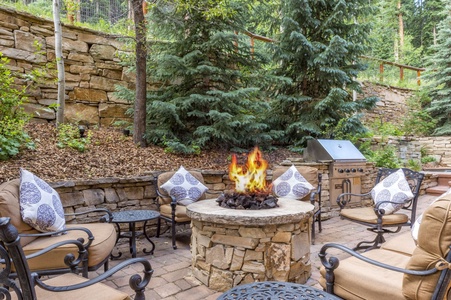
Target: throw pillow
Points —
{"points": [[40, 204], [292, 185], [394, 188], [184, 187], [416, 225]]}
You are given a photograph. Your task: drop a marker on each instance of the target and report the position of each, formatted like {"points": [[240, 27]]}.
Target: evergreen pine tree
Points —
{"points": [[209, 92], [440, 77], [319, 49]]}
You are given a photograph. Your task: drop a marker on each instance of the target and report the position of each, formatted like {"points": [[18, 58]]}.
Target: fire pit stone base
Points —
{"points": [[227, 253]]}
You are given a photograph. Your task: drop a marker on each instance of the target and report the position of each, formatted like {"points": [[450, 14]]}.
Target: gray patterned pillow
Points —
{"points": [[184, 187], [40, 204], [393, 188], [292, 185]]}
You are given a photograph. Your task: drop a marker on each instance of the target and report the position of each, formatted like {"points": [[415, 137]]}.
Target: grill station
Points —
{"points": [[346, 166]]}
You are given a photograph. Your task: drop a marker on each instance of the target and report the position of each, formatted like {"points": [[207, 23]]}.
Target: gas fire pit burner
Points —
{"points": [[247, 201]]}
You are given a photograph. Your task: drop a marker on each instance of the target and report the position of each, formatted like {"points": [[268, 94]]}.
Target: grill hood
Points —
{"points": [[332, 150]]}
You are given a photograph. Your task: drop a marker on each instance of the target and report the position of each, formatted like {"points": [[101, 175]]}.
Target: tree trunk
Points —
{"points": [[401, 28], [139, 117], [59, 62]]}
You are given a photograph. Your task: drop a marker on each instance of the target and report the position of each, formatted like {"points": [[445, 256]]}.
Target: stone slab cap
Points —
{"points": [[289, 211]]}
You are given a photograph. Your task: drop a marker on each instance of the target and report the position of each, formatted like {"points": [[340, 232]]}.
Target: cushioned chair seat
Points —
{"points": [[379, 283], [367, 214], [403, 243], [100, 290], [180, 212], [101, 247]]}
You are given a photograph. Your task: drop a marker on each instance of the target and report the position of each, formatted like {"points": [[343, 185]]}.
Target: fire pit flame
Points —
{"points": [[250, 178], [251, 189]]}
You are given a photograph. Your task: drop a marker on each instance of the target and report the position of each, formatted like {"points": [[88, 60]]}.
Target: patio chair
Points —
{"points": [[98, 238], [401, 268], [67, 286], [171, 209], [376, 216], [315, 179]]}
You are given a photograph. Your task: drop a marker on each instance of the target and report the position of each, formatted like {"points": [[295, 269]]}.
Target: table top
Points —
{"points": [[275, 290], [128, 216]]}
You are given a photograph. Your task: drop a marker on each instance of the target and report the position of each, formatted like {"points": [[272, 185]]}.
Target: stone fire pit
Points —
{"points": [[231, 247]]}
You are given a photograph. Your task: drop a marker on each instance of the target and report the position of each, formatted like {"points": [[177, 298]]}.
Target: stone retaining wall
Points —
{"points": [[92, 62], [118, 194]]}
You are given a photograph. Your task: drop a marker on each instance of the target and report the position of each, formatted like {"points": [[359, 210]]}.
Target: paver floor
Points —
{"points": [[172, 278]]}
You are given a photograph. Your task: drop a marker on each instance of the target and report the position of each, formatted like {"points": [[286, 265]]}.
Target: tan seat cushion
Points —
{"points": [[367, 214], [180, 212], [402, 243], [98, 291], [309, 173], [356, 279], [101, 247], [434, 238], [9, 207]]}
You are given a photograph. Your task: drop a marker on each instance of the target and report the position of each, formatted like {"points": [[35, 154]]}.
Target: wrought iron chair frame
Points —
{"points": [[414, 178], [83, 268], [11, 252], [332, 263]]}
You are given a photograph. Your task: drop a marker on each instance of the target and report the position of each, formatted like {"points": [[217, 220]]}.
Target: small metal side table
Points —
{"points": [[131, 217], [275, 290]]}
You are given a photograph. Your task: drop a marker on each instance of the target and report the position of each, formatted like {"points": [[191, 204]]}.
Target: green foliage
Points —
{"points": [[69, 136], [12, 116], [318, 50], [440, 77], [210, 93], [385, 157], [427, 159], [418, 121], [385, 128], [414, 164]]}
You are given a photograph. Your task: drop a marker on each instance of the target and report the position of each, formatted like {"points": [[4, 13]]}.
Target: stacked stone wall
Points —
{"points": [[92, 62], [118, 194]]}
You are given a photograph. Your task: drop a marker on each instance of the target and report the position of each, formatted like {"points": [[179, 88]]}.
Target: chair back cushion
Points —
{"points": [[434, 239], [10, 207], [164, 177], [309, 173]]}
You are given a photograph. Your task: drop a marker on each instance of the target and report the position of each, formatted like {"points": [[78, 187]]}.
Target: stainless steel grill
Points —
{"points": [[346, 165]]}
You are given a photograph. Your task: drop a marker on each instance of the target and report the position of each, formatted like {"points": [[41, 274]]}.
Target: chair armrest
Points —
{"points": [[104, 219], [345, 198], [137, 282], [69, 259], [48, 234], [333, 262]]}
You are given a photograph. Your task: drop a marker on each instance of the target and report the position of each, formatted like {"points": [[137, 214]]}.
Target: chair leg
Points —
{"points": [[313, 231], [369, 245], [158, 227], [320, 227], [174, 246]]}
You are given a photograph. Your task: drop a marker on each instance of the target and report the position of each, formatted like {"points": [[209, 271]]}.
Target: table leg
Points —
{"points": [[132, 242], [148, 238], [117, 239]]}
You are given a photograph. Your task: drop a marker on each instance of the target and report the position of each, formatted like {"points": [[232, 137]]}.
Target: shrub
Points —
{"points": [[12, 116], [69, 136]]}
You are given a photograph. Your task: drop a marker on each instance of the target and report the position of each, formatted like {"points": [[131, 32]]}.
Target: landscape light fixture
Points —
{"points": [[81, 130]]}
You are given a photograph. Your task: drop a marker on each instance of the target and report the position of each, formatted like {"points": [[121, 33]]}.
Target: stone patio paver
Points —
{"points": [[173, 280]]}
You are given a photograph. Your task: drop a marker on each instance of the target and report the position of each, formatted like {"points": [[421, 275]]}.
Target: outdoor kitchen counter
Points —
{"points": [[289, 211], [230, 247]]}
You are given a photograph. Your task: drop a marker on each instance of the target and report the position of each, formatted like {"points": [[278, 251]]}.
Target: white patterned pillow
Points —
{"points": [[184, 187], [393, 188], [40, 204], [292, 185], [416, 226]]}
